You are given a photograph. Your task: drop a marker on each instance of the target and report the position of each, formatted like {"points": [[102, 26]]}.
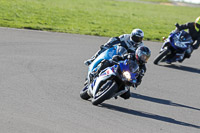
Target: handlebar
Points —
{"points": [[177, 25]]}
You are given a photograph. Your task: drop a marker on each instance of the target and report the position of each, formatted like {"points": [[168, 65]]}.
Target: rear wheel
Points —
{"points": [[105, 92], [161, 56]]}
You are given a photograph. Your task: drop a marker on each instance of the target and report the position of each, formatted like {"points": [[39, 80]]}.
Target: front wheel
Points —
{"points": [[160, 56], [84, 94], [105, 92]]}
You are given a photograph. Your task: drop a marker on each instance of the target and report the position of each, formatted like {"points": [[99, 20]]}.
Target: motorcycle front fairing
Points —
{"points": [[130, 71], [179, 41], [177, 44], [103, 76], [166, 43]]}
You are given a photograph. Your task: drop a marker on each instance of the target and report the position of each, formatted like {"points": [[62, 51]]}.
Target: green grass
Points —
{"points": [[157, 0], [94, 17]]}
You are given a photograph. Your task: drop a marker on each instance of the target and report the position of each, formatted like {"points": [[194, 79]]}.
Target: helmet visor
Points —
{"points": [[137, 39], [144, 58], [197, 26]]}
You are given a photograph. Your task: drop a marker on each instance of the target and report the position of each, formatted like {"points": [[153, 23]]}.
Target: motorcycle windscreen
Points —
{"points": [[130, 66], [107, 55], [181, 40], [185, 37]]}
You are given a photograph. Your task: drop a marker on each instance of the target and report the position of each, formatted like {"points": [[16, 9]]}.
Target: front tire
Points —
{"points": [[84, 94], [105, 92], [160, 56]]}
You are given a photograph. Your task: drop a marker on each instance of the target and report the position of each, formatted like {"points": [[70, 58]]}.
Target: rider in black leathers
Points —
{"points": [[194, 31], [141, 56]]}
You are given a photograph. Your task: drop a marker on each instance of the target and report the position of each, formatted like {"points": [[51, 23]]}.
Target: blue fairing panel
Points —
{"points": [[108, 54]]}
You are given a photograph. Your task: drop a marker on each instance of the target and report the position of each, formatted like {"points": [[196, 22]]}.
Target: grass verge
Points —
{"points": [[94, 17]]}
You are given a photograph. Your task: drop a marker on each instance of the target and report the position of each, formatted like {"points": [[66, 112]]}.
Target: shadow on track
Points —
{"points": [[183, 68], [147, 115], [160, 101]]}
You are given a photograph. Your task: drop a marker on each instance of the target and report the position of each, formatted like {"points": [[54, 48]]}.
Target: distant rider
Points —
{"points": [[129, 41], [141, 56], [194, 31]]}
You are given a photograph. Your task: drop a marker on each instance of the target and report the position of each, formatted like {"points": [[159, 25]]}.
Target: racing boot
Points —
{"points": [[88, 62], [168, 62], [95, 73], [180, 61], [187, 54], [126, 95]]}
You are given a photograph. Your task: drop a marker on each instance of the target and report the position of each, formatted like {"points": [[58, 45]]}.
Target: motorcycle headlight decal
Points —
{"points": [[107, 72], [179, 44], [127, 75]]}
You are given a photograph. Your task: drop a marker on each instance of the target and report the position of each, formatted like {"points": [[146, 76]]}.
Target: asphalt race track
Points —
{"points": [[42, 73]]}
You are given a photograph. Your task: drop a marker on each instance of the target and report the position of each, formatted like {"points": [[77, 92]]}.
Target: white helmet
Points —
{"points": [[137, 35]]}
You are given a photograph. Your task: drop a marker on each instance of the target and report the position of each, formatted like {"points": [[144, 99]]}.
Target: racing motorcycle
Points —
{"points": [[174, 47], [112, 81]]}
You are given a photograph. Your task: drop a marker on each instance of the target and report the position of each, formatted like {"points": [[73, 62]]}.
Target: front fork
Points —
{"points": [[165, 45]]}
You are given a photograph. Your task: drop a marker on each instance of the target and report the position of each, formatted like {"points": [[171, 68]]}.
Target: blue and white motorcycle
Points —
{"points": [[174, 47], [112, 81]]}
